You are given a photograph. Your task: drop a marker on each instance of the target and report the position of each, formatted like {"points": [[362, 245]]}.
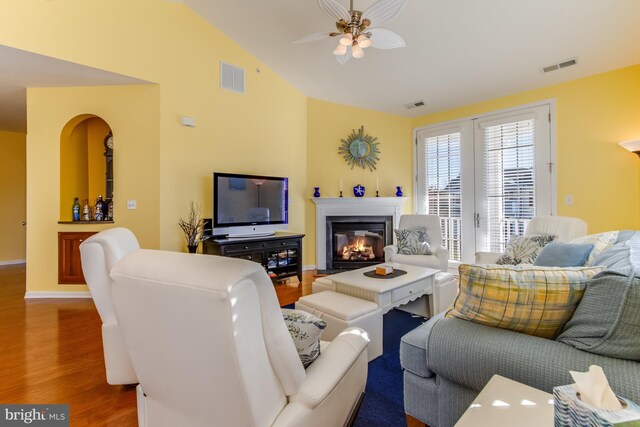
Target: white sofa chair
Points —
{"points": [[210, 347], [99, 253], [565, 229], [440, 257]]}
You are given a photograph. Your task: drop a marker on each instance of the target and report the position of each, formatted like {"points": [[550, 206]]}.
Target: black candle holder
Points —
{"points": [[340, 193], [377, 193]]}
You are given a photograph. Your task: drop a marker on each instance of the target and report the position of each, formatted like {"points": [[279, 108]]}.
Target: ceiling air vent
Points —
{"points": [[563, 64], [414, 105], [231, 78]]}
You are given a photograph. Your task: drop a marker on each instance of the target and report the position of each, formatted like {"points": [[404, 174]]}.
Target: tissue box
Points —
{"points": [[384, 269], [569, 410]]}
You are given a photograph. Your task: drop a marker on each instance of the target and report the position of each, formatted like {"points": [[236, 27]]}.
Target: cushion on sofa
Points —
{"points": [[607, 320], [305, 330], [413, 242], [532, 300], [523, 249], [600, 242], [558, 254]]}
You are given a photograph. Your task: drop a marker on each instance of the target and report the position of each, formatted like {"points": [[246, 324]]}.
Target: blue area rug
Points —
{"points": [[383, 404]]}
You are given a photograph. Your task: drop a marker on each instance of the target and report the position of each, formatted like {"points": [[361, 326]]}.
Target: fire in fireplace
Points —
{"points": [[354, 242], [361, 246]]}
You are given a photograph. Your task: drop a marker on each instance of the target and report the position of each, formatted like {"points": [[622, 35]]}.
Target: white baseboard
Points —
{"points": [[13, 261], [308, 267], [39, 294]]}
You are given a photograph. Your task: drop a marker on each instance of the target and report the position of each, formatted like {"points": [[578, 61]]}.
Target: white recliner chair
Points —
{"points": [[440, 257], [210, 347], [565, 229], [99, 253]]}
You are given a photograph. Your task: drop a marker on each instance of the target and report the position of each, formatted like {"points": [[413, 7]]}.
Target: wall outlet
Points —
{"points": [[568, 200], [132, 204]]}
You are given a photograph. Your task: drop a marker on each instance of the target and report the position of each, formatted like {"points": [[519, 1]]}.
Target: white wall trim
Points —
{"points": [[39, 294], [13, 261], [354, 206]]}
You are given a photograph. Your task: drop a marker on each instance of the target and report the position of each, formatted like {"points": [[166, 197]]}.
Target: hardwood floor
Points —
{"points": [[51, 352]]}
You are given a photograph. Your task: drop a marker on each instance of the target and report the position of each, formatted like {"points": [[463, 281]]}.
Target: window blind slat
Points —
{"points": [[509, 180], [441, 156]]}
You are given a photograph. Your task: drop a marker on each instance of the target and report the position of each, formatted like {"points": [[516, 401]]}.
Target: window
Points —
{"points": [[486, 177]]}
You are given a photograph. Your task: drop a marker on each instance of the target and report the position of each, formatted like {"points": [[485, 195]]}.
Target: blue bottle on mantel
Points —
{"points": [[316, 191], [399, 192], [358, 190]]}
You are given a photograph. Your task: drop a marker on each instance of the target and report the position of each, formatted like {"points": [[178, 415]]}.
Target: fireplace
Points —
{"points": [[357, 241]]}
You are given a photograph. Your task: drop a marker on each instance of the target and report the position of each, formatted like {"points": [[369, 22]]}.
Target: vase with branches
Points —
{"points": [[192, 227]]}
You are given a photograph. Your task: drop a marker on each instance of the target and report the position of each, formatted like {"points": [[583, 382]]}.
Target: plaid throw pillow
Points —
{"points": [[523, 249], [532, 300], [305, 330], [413, 242]]}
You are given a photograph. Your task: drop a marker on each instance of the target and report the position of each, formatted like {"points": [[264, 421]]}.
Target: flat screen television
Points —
{"points": [[249, 205]]}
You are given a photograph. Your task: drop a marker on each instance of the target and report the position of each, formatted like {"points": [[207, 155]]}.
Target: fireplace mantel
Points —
{"points": [[350, 206]]}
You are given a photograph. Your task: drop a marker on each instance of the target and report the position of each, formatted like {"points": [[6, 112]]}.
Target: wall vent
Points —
{"points": [[563, 64], [231, 78], [411, 105]]}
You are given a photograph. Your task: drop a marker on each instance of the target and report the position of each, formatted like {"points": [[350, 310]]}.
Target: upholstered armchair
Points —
{"points": [[565, 229], [210, 347], [99, 253], [440, 256]]}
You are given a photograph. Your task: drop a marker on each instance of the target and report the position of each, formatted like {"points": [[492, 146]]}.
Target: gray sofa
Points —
{"points": [[447, 362]]}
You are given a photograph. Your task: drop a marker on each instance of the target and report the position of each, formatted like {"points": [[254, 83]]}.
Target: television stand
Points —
{"points": [[251, 235], [279, 254]]}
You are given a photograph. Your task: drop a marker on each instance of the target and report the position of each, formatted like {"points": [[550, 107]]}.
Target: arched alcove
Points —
{"points": [[86, 163]]}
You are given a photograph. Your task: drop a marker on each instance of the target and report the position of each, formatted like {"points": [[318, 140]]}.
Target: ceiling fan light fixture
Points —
{"points": [[357, 51], [363, 41], [340, 49], [346, 39]]}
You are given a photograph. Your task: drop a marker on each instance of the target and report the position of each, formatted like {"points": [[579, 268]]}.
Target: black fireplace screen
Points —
{"points": [[355, 242]]}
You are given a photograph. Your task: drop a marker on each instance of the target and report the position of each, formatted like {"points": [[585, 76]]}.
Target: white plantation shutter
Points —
{"points": [[509, 180], [486, 177], [441, 180]]}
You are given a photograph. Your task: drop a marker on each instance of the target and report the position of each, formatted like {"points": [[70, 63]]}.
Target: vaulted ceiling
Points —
{"points": [[457, 51]]}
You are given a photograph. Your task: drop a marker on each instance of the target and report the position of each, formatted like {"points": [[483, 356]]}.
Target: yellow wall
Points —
{"points": [[272, 129], [593, 115], [136, 162], [73, 168], [327, 124], [12, 196], [263, 131], [97, 130]]}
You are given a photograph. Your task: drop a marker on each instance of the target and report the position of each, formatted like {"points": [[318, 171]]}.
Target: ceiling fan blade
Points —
{"points": [[334, 9], [314, 37], [383, 10], [385, 39], [342, 59]]}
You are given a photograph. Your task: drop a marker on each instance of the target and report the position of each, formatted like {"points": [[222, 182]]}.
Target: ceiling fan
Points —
{"points": [[356, 29]]}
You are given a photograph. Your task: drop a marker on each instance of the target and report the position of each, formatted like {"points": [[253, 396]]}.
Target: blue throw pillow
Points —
{"points": [[558, 254]]}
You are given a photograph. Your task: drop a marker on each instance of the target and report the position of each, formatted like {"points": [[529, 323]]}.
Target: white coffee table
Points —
{"points": [[504, 402], [387, 293]]}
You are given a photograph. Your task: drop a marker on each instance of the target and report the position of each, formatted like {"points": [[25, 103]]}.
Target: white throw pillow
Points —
{"points": [[305, 330], [523, 249], [600, 242], [413, 242]]}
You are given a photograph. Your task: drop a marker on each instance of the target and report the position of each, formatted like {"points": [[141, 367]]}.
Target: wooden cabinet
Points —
{"points": [[280, 255], [69, 263]]}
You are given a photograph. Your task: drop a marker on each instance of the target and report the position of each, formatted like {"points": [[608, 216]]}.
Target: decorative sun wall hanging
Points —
{"points": [[360, 149]]}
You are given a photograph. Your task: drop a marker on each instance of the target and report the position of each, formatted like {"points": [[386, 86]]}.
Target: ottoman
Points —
{"points": [[343, 311]]}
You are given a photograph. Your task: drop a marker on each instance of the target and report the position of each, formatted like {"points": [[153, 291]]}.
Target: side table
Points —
{"points": [[504, 402]]}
